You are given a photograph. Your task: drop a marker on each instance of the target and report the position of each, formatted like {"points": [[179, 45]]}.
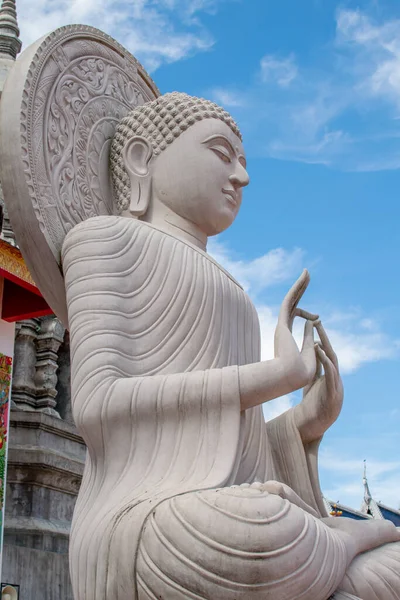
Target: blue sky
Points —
{"points": [[315, 88]]}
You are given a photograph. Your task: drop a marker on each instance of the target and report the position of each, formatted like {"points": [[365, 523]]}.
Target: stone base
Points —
{"points": [[45, 466], [41, 575]]}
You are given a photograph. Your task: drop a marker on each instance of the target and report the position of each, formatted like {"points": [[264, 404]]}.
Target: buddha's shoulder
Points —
{"points": [[110, 236], [102, 226], [107, 229]]}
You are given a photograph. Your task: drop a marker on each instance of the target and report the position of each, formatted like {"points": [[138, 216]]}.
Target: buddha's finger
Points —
{"points": [[304, 314], [308, 337], [326, 344], [293, 297], [317, 369], [329, 369], [318, 372], [308, 351]]}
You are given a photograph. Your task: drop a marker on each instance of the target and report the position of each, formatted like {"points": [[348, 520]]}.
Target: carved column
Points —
{"points": [[48, 342], [64, 381], [23, 386]]}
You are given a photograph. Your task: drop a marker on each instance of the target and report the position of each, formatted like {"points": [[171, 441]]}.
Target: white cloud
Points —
{"points": [[227, 98], [313, 148], [342, 111], [277, 407], [377, 52], [155, 31], [274, 267], [357, 338], [354, 343], [279, 71], [356, 348], [339, 463]]}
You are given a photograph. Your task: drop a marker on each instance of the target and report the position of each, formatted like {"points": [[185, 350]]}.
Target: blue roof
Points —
{"points": [[390, 514], [348, 512]]}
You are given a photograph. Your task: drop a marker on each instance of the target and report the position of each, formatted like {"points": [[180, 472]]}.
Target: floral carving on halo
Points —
{"points": [[81, 83]]}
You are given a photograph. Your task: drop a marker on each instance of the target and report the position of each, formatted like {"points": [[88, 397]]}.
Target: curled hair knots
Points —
{"points": [[160, 122]]}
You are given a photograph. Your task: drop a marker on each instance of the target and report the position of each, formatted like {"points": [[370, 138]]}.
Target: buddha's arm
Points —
{"points": [[253, 383], [101, 354], [99, 358]]}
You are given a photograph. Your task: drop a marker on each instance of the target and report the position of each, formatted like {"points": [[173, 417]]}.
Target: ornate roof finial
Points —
{"points": [[367, 493], [10, 44], [369, 505]]}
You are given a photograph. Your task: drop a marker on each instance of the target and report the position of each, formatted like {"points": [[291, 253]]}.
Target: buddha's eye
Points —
{"points": [[222, 153]]}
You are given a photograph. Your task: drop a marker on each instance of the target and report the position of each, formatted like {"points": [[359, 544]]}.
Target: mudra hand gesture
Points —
{"points": [[323, 396], [291, 369], [299, 366]]}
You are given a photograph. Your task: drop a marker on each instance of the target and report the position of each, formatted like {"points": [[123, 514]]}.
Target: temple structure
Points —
{"points": [[370, 508], [46, 455]]}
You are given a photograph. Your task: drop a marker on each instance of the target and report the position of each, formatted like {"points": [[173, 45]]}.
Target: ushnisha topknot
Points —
{"points": [[161, 122]]}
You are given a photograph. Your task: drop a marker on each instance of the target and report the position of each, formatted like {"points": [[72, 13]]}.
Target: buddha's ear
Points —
{"points": [[137, 155]]}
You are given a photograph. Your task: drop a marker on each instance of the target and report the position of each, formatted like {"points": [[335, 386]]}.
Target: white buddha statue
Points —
{"points": [[187, 493]]}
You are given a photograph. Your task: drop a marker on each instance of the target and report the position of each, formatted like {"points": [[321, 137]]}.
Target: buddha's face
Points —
{"points": [[200, 176]]}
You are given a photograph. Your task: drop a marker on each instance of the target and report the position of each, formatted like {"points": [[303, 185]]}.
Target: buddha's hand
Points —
{"points": [[323, 397], [290, 369], [284, 491], [299, 366]]}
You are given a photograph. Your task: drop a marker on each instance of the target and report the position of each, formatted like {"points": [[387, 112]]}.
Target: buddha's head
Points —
{"points": [[181, 153]]}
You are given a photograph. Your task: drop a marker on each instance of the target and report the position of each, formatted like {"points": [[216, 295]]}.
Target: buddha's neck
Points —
{"points": [[163, 218]]}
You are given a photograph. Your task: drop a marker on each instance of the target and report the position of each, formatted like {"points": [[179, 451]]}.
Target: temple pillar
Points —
{"points": [[24, 387], [48, 341]]}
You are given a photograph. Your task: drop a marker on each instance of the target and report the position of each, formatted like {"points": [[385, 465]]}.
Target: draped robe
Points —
{"points": [[158, 333]]}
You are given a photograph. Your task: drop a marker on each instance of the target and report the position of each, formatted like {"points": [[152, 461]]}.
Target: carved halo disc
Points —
{"points": [[60, 107]]}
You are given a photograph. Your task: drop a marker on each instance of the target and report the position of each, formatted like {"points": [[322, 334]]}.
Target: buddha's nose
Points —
{"points": [[240, 178]]}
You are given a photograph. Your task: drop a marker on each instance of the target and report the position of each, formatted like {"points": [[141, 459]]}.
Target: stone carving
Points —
{"points": [[48, 341], [37, 342], [187, 493], [23, 384], [76, 85]]}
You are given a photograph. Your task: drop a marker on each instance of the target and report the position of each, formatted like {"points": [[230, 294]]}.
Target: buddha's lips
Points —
{"points": [[232, 196]]}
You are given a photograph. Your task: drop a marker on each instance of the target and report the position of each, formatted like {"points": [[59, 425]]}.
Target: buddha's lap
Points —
{"points": [[237, 542], [242, 542]]}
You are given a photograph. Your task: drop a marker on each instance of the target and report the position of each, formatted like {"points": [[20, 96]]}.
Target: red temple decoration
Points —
{"points": [[21, 298]]}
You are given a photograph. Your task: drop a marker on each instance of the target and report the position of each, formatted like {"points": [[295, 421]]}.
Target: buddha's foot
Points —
{"points": [[375, 575], [237, 543]]}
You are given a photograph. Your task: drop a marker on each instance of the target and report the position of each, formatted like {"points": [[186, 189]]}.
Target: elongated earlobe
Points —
{"points": [[137, 155], [140, 196]]}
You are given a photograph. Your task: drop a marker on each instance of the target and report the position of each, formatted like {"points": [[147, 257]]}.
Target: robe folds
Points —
{"points": [[158, 333]]}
